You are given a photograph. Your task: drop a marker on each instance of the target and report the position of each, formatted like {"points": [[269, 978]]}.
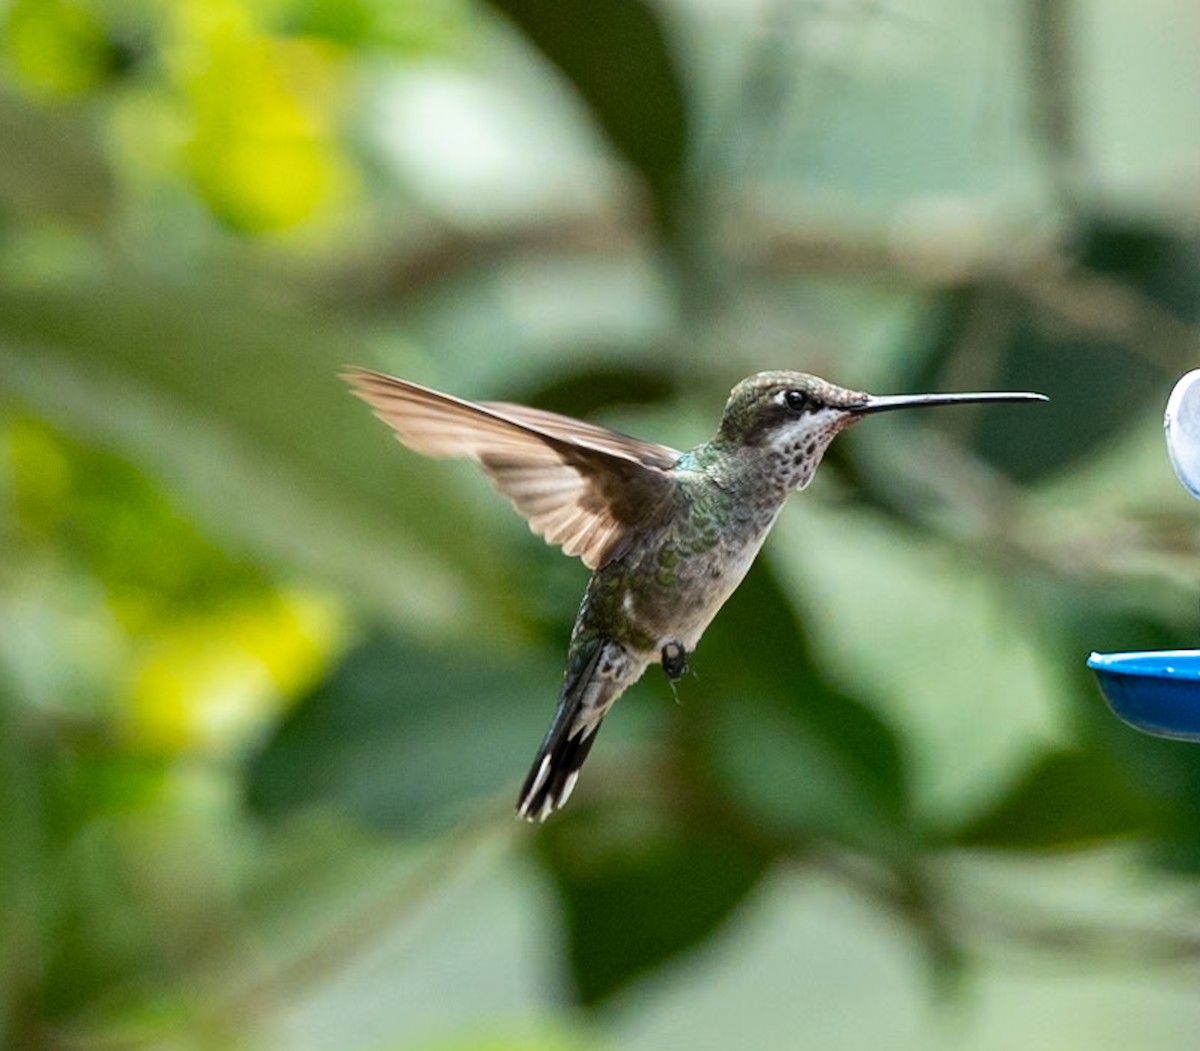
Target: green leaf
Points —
{"points": [[1065, 799], [589, 388], [1099, 380], [72, 925], [246, 421], [406, 739], [59, 49], [520, 1035], [413, 28], [617, 56], [638, 889], [802, 755], [105, 515]]}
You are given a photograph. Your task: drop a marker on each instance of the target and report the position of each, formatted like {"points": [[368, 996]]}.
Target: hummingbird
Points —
{"points": [[668, 535]]}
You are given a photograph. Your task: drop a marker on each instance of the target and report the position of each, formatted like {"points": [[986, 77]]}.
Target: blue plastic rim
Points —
{"points": [[1156, 691]]}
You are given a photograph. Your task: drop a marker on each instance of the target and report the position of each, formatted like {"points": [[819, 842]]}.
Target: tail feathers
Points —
{"points": [[581, 706], [553, 776]]}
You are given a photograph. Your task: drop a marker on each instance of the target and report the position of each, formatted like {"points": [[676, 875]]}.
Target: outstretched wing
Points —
{"points": [[580, 486]]}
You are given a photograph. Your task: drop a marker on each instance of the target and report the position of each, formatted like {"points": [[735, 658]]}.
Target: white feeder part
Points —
{"points": [[1182, 424]]}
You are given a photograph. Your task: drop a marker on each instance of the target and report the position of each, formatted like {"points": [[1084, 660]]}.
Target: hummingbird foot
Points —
{"points": [[674, 661]]}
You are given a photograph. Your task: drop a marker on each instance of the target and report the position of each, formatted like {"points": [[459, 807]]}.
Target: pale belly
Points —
{"points": [[696, 618], [680, 613]]}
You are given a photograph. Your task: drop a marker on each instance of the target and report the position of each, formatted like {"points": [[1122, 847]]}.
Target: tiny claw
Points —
{"points": [[674, 661]]}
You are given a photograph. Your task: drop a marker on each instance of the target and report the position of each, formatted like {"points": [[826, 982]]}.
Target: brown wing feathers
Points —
{"points": [[579, 485]]}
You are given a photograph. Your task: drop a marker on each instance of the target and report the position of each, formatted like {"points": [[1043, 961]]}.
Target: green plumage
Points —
{"points": [[669, 535]]}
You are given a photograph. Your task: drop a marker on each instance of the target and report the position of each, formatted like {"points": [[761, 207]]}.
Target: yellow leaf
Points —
{"points": [[56, 47], [262, 151], [210, 683]]}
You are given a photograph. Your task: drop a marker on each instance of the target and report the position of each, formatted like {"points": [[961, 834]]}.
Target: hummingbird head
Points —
{"points": [[786, 420]]}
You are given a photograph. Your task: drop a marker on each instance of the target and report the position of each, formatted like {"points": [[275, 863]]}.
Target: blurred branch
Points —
{"points": [[441, 255], [757, 241], [766, 243], [1122, 942], [945, 918], [1033, 267], [1099, 306], [985, 516], [1053, 92]]}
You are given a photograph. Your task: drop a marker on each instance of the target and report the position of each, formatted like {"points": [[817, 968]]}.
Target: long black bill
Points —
{"points": [[887, 402]]}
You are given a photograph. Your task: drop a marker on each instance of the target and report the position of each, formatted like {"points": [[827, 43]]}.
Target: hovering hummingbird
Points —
{"points": [[668, 535]]}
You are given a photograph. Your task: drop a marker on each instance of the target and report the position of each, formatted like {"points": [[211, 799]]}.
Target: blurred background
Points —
{"points": [[269, 682]]}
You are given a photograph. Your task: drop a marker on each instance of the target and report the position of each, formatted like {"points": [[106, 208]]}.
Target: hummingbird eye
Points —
{"points": [[796, 400]]}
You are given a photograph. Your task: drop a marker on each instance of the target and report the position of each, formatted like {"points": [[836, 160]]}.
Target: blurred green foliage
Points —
{"points": [[268, 683]]}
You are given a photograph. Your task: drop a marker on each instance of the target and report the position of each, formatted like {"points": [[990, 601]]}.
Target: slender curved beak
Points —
{"points": [[887, 402]]}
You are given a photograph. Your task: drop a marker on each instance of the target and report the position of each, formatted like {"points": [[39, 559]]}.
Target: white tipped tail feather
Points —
{"points": [[598, 672]]}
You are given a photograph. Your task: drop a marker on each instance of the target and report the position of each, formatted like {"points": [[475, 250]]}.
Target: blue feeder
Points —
{"points": [[1159, 691], [1156, 691]]}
